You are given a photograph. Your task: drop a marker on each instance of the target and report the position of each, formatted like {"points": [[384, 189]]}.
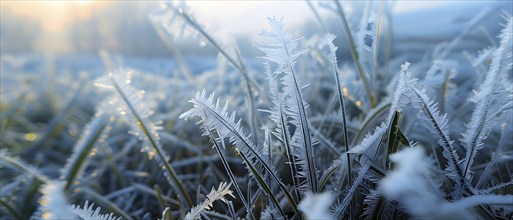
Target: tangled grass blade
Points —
{"points": [[215, 118]]}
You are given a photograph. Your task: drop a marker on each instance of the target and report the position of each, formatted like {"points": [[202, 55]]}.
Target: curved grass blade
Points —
{"points": [[77, 161], [325, 177]]}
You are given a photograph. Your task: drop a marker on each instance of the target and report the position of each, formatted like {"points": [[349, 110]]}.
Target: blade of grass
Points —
{"points": [[316, 14], [230, 174], [354, 54], [240, 66], [158, 194], [182, 64], [344, 124], [167, 214], [262, 184], [341, 209], [306, 135], [111, 160], [245, 143], [176, 182], [11, 210], [395, 137], [53, 126], [83, 148], [377, 40], [148, 190], [324, 179], [378, 212], [20, 166]]}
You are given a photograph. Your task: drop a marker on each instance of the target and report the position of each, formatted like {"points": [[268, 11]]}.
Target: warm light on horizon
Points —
{"points": [[53, 15]]}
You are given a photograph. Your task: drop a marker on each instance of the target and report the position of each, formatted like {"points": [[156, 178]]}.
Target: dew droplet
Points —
{"points": [[202, 43], [180, 10]]}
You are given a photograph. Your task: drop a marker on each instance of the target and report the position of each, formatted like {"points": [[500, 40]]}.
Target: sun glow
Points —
{"points": [[53, 15]]}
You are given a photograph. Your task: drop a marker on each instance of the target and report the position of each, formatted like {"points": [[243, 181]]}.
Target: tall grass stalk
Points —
{"points": [[354, 55], [144, 128]]}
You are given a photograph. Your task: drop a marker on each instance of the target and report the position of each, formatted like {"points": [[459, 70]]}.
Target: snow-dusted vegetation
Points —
{"points": [[381, 119]]}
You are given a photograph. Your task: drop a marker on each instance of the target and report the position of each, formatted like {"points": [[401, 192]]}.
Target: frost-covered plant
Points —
{"points": [[129, 104], [54, 205], [292, 130], [219, 194], [318, 137], [89, 213], [53, 202], [416, 186]]}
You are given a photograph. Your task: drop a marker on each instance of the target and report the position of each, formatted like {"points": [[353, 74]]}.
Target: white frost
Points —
{"points": [[316, 206]]}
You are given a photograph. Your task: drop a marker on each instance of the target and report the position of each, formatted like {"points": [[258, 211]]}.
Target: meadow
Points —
{"points": [[371, 121]]}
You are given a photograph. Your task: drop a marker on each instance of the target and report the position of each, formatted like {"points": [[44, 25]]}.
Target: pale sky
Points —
{"points": [[222, 18], [227, 15]]}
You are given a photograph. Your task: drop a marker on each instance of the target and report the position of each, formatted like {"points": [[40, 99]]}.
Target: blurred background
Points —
{"points": [[123, 27]]}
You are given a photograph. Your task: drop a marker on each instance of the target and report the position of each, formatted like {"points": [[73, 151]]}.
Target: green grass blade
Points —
{"points": [[395, 137]]}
